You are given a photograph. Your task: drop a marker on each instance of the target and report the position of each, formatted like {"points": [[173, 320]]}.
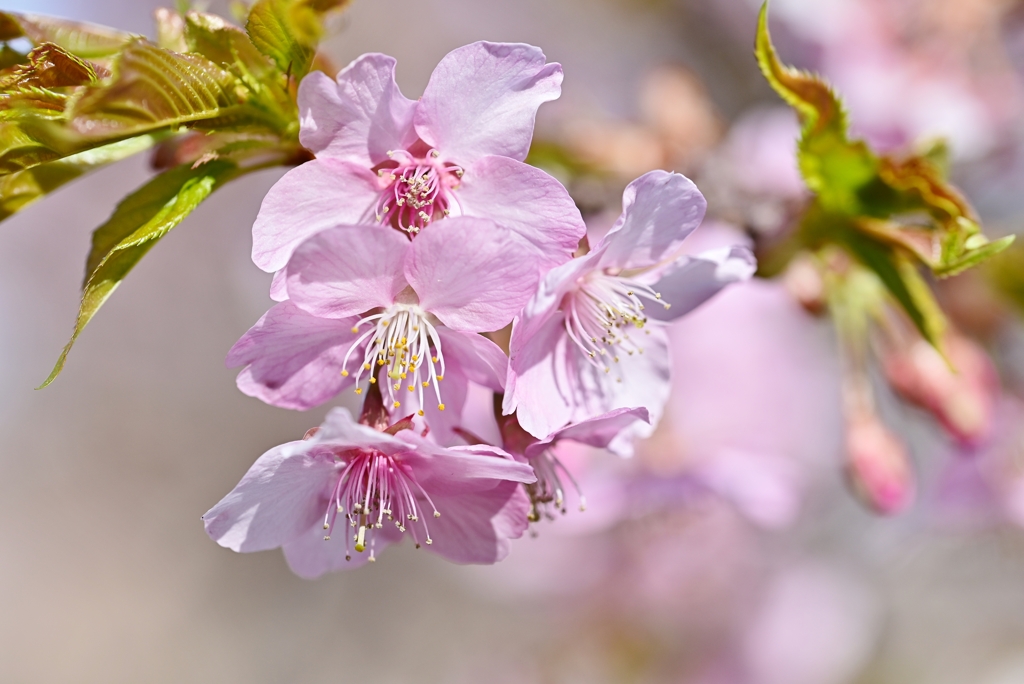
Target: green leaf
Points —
{"points": [[273, 31], [223, 43], [137, 224], [18, 190], [89, 41], [154, 89], [904, 282]]}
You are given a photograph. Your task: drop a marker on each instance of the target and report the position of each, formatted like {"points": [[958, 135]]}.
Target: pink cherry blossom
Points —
{"points": [[364, 300], [349, 489], [592, 339], [547, 494], [457, 151]]}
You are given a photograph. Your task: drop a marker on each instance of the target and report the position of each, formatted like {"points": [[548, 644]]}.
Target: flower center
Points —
{"points": [[547, 494], [372, 487], [417, 190], [405, 343], [599, 313]]}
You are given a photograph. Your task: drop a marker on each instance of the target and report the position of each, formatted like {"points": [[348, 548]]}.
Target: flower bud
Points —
{"points": [[962, 400], [877, 466]]}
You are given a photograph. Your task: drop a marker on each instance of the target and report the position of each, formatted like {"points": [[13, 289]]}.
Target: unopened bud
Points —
{"points": [[877, 466], [962, 398], [803, 280]]}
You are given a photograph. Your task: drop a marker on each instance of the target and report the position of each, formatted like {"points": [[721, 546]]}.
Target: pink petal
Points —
{"points": [[358, 118], [319, 194], [454, 470], [599, 431], [278, 286], [483, 98], [282, 495], [692, 280], [294, 359], [659, 209], [309, 556], [348, 270], [527, 201], [479, 359], [471, 273], [537, 388], [477, 528]]}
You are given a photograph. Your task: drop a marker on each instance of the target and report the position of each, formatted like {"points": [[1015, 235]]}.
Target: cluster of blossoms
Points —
{"points": [[416, 232]]}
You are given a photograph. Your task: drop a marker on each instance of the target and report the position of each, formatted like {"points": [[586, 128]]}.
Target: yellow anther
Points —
{"points": [[397, 385], [355, 329], [344, 373], [434, 359], [426, 384], [396, 404], [440, 407], [420, 412], [373, 381], [412, 388], [440, 377], [366, 366]]}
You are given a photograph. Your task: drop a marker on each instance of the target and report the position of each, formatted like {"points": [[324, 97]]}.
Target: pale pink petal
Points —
{"points": [[471, 273], [280, 497], [340, 429], [309, 555], [483, 99], [278, 286], [659, 209], [599, 431], [538, 388], [454, 389], [348, 270], [454, 470], [359, 117], [479, 359], [319, 194], [477, 527], [527, 201], [692, 280], [294, 360]]}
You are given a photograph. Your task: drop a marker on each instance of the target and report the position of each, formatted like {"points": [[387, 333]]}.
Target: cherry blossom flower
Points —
{"points": [[592, 339], [458, 150], [547, 494], [339, 497], [361, 301]]}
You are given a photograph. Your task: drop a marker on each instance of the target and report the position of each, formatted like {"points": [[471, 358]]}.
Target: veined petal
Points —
{"points": [[458, 469], [692, 280], [344, 271], [309, 555], [483, 99], [481, 360], [319, 194], [471, 273], [538, 389], [477, 527], [599, 431], [527, 201], [277, 500], [294, 359], [360, 116], [659, 209]]}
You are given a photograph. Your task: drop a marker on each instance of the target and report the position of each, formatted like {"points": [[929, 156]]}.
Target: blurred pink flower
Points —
{"points": [[458, 150], [587, 317], [877, 465], [464, 502]]}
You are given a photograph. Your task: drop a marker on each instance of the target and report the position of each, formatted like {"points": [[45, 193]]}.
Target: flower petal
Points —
{"points": [[692, 280], [659, 209], [453, 470], [360, 116], [347, 270], [479, 359], [294, 359], [537, 388], [280, 497], [527, 201], [318, 194], [309, 556], [599, 431], [471, 273], [483, 98], [477, 527]]}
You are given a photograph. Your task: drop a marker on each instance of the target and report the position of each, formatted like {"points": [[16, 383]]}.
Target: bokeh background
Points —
{"points": [[728, 552]]}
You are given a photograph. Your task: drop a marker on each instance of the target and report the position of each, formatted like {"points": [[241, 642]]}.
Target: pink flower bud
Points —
{"points": [[962, 400], [877, 465]]}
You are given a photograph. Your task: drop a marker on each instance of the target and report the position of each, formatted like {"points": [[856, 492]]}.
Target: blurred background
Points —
{"points": [[729, 551]]}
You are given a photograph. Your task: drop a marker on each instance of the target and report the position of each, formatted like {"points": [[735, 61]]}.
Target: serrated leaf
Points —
{"points": [[152, 89], [137, 224], [90, 41], [49, 66], [224, 43], [273, 29], [18, 190]]}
